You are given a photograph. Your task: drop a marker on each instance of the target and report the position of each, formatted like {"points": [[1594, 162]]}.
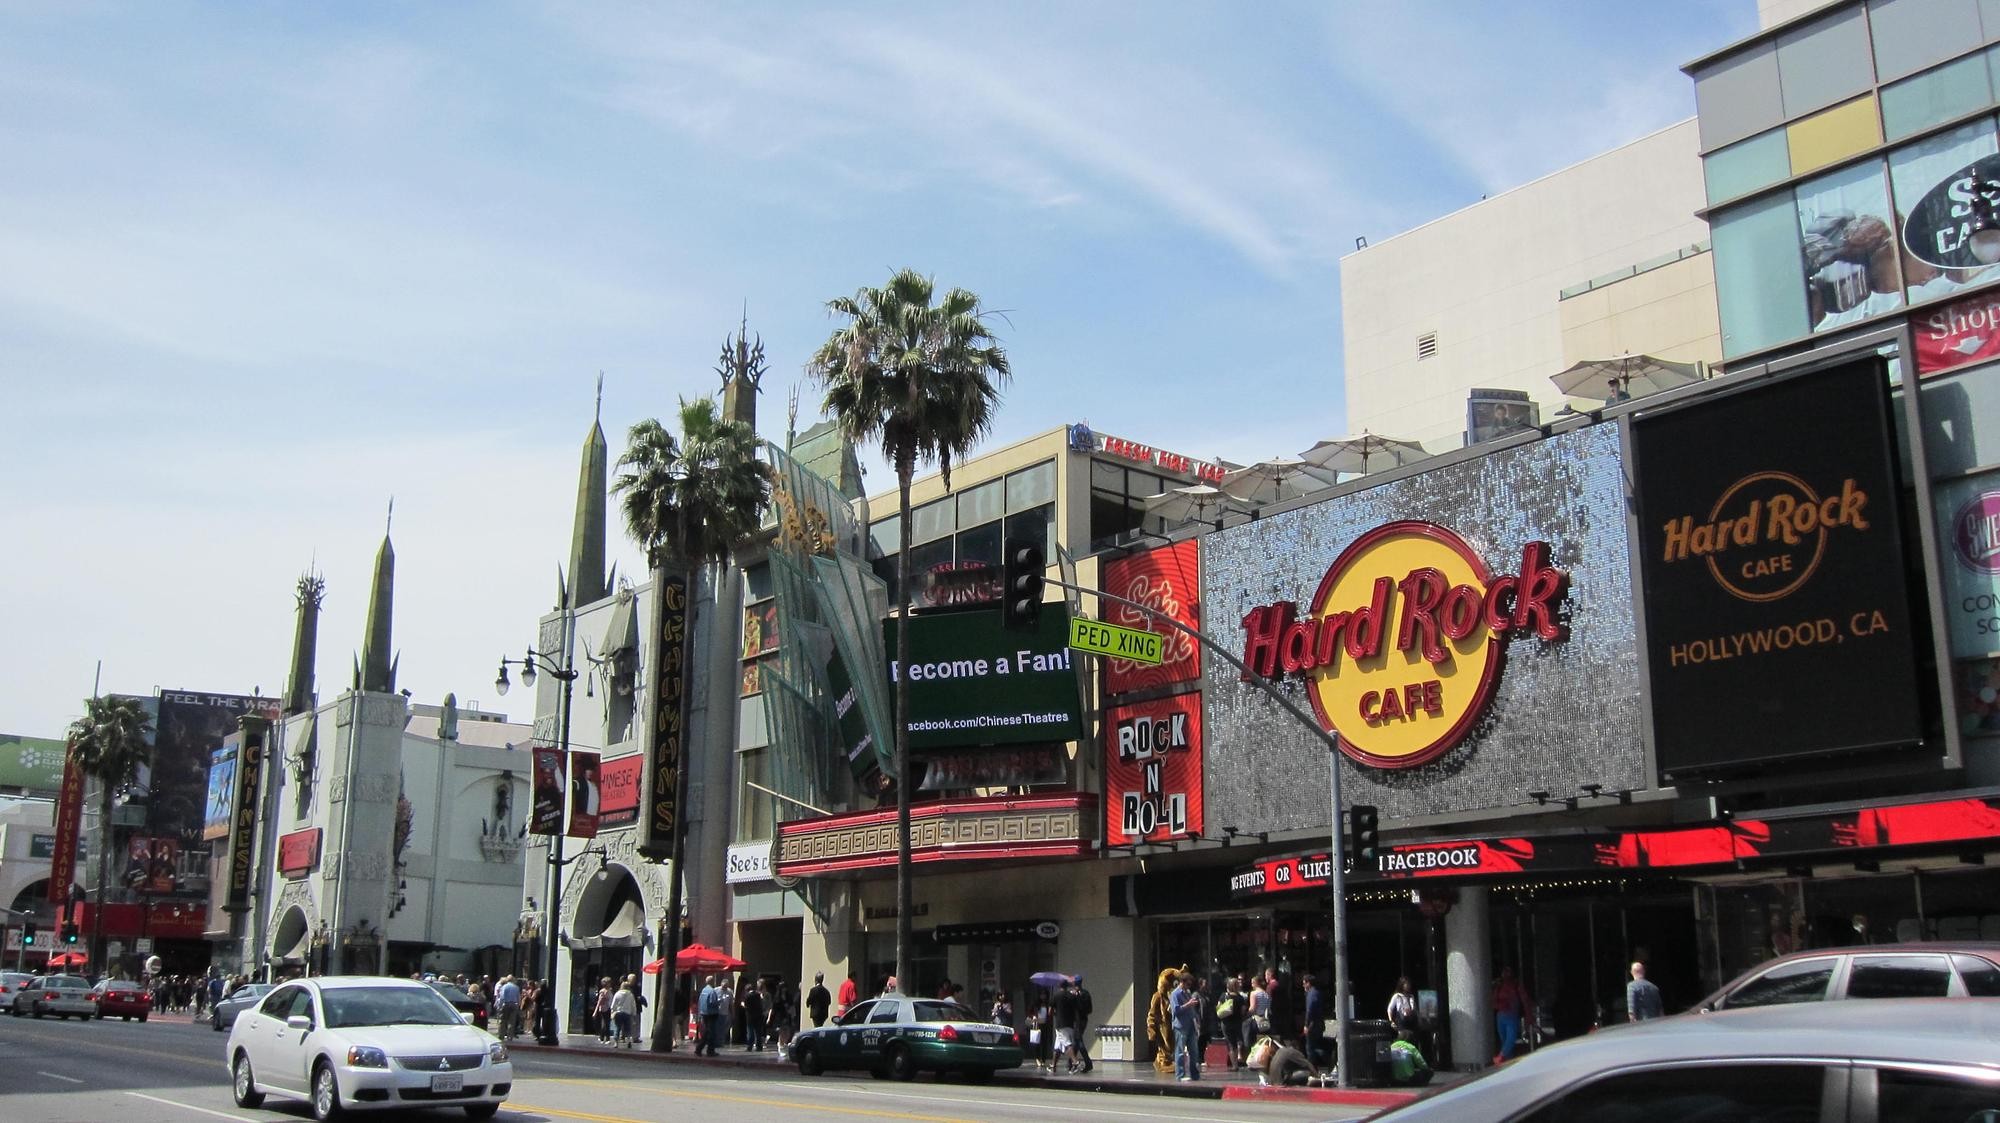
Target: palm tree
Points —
{"points": [[109, 743], [923, 379], [688, 502]]}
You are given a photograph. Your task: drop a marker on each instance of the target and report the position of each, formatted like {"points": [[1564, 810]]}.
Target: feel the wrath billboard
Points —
{"points": [[1778, 622]]}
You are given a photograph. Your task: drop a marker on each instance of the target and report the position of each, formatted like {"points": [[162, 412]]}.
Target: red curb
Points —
{"points": [[1353, 1097]]}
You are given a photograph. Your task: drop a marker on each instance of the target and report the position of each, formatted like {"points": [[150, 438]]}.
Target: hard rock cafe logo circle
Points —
{"points": [[1766, 534], [1975, 533], [1402, 644]]}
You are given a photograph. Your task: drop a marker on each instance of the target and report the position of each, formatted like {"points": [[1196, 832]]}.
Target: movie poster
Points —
{"points": [[584, 791], [546, 815]]}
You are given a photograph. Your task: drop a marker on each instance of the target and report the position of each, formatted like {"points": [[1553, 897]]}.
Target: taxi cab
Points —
{"points": [[900, 1037]]}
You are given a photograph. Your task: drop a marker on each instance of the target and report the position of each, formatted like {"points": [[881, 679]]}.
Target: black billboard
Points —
{"points": [[975, 682], [1778, 622]]}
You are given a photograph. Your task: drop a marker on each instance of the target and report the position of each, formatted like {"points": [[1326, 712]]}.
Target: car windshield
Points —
{"points": [[945, 1012], [451, 993], [249, 991], [386, 1006]]}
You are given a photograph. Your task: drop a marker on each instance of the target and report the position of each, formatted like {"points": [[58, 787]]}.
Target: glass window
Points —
{"points": [[1911, 106], [979, 504], [981, 545], [1802, 980], [1824, 61], [933, 520], [278, 1003], [1107, 475], [1825, 139], [1031, 487], [1981, 977], [301, 1004], [857, 1015], [1934, 1097], [1848, 239], [757, 583], [1745, 166], [1738, 96], [925, 558], [1740, 1093], [884, 1013], [753, 808], [1898, 976], [1757, 274], [1989, 19], [1912, 34], [1929, 181], [1038, 525], [885, 536]]}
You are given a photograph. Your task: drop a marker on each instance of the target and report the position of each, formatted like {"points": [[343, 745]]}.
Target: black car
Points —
{"points": [[462, 1002]]}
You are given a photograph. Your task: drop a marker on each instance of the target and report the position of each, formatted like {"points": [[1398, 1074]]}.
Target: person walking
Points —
{"points": [[507, 1000], [849, 991], [1403, 1009], [624, 1013], [1185, 1002], [1510, 1006], [817, 1000], [753, 1018], [1315, 1034], [1257, 1022], [1642, 998], [708, 1004], [530, 1007], [600, 1009], [1064, 1006], [1231, 1012], [1083, 1011]]}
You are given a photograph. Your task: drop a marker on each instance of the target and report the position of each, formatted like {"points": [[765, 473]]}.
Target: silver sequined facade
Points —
{"points": [[1563, 714]]}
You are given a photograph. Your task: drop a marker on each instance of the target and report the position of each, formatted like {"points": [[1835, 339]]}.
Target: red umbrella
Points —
{"points": [[699, 957], [68, 959]]}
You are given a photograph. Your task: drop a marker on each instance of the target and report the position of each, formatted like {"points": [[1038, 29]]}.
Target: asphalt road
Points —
{"points": [[172, 1072]]}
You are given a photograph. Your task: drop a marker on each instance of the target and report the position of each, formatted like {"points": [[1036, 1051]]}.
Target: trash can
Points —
{"points": [[1369, 1041]]}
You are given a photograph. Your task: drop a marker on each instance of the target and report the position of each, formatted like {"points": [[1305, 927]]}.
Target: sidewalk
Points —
{"points": [[1122, 1077]]}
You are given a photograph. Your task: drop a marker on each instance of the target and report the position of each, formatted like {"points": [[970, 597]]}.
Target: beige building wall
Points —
{"points": [[1486, 280], [1668, 312]]}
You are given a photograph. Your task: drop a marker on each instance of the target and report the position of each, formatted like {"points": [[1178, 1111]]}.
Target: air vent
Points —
{"points": [[1427, 345]]}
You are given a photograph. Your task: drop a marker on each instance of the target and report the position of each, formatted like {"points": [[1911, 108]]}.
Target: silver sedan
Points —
{"points": [[244, 998], [1896, 1060]]}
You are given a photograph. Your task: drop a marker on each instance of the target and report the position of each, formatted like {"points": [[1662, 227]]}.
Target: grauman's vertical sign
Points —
{"points": [[658, 809], [1402, 645]]}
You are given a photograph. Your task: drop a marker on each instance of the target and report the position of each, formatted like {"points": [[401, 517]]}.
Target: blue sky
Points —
{"points": [[262, 266]]}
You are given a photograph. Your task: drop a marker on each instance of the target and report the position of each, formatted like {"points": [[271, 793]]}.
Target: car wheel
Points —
{"points": [[481, 1111], [902, 1065], [217, 1026], [808, 1058], [242, 1085], [326, 1094]]}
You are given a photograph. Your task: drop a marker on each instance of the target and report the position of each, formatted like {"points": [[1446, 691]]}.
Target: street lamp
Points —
{"points": [[561, 666]]}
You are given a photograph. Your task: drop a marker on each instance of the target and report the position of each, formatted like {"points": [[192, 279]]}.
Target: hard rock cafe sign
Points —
{"points": [[1402, 645]]}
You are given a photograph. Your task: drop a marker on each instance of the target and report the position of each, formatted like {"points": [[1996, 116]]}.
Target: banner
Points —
{"points": [[1957, 334], [1778, 622], [620, 784], [975, 682], [243, 829], [151, 864], [1153, 770], [69, 820], [583, 795], [298, 852], [1968, 526], [666, 731], [1166, 580], [221, 793], [545, 816]]}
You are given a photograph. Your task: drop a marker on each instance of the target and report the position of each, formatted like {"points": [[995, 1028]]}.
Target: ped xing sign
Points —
{"points": [[1132, 644]]}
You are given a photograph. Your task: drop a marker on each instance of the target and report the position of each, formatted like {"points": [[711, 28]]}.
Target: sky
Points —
{"points": [[265, 267]]}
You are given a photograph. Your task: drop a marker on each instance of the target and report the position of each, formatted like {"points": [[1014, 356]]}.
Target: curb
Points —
{"points": [[1194, 1089]]}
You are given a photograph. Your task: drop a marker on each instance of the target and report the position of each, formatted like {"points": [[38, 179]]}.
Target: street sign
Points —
{"points": [[1119, 642], [143, 945], [113, 949]]}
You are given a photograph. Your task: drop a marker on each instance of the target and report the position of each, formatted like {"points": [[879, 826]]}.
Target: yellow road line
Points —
{"points": [[760, 1101]]}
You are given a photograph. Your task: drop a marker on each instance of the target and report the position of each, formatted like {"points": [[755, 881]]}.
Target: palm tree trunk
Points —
{"points": [[103, 857], [902, 761]]}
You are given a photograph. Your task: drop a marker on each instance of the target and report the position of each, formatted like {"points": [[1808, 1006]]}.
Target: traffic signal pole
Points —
{"points": [[1336, 874]]}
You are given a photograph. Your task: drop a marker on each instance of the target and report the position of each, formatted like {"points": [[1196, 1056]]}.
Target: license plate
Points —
{"points": [[448, 1082], [986, 1038]]}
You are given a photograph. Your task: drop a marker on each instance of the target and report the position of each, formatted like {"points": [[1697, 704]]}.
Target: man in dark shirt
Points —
{"points": [[1065, 1018], [1642, 998], [1315, 1021], [1083, 1011], [817, 999]]}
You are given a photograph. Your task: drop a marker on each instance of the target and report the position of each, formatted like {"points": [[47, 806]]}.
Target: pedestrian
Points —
{"points": [[1160, 1021], [1230, 1012], [753, 1018], [1257, 1019], [1281, 1064], [1083, 1011], [849, 991], [639, 999], [507, 1000], [817, 999], [1063, 1006], [1041, 1032], [1208, 1027], [1316, 1046], [529, 1005], [1510, 1006], [1003, 1011], [624, 1009], [600, 1010], [1642, 998], [708, 1004], [545, 1013], [1185, 1002], [1403, 1010]]}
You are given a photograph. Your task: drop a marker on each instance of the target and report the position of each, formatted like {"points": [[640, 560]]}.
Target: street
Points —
{"points": [[168, 1071]]}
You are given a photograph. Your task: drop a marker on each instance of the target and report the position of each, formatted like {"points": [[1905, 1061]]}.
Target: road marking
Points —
{"points": [[540, 1063], [762, 1101], [191, 1107], [59, 1076], [1067, 1108]]}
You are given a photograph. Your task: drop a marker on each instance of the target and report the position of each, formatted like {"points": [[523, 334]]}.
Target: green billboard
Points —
{"points": [[973, 682]]}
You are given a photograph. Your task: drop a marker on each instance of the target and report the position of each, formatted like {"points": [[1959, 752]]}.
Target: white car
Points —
{"points": [[353, 1043]]}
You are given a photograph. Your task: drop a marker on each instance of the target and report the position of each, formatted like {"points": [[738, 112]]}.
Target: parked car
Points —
{"points": [[243, 998], [464, 1003], [11, 983], [1909, 1059], [65, 996], [1927, 970], [353, 1043], [122, 998], [898, 1036]]}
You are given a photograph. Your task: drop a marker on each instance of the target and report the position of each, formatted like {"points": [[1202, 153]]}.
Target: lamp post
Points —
{"points": [[560, 665]]}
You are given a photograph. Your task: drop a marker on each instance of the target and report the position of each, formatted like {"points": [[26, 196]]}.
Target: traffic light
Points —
{"points": [[28, 935], [69, 932], [1365, 834], [1021, 584]]}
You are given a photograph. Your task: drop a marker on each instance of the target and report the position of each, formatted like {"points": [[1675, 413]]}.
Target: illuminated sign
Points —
{"points": [[1083, 439], [1402, 645]]}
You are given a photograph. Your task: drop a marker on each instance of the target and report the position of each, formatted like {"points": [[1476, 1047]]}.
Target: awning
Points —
{"points": [[623, 633], [593, 943]]}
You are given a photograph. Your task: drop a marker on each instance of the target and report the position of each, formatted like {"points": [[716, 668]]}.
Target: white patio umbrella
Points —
{"points": [[1363, 454], [1269, 481], [1625, 377], [1193, 503]]}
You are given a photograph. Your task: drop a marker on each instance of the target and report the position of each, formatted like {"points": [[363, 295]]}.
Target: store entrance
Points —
{"points": [[1574, 950]]}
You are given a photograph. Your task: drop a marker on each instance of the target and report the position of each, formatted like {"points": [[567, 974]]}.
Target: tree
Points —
{"points": [[923, 379], [109, 743], [688, 501]]}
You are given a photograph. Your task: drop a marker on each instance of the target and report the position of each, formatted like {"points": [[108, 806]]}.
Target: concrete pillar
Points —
{"points": [[1468, 969]]}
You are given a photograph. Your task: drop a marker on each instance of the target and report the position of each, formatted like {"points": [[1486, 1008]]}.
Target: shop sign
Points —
{"points": [[243, 830], [666, 733], [41, 846], [1777, 611], [1943, 228], [1168, 581], [748, 861], [1968, 514], [963, 769], [973, 681], [545, 813], [1153, 770], [298, 852], [1958, 334], [620, 779], [1083, 439], [69, 821], [1402, 645]]}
